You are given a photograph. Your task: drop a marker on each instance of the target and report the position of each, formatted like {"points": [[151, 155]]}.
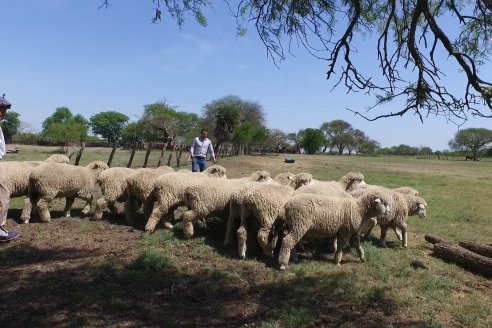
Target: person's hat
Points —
{"points": [[4, 104]]}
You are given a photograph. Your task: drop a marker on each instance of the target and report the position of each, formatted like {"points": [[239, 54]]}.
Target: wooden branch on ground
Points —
{"points": [[434, 239], [468, 259], [482, 249]]}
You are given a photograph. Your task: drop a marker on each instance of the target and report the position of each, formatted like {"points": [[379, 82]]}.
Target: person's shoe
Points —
{"points": [[7, 235]]}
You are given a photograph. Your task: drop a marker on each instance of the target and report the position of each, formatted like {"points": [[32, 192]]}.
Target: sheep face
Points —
{"points": [[353, 181], [216, 171], [302, 179], [419, 210], [380, 208]]}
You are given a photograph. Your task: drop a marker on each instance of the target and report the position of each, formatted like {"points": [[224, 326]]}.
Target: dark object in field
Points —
{"points": [[482, 249], [289, 160], [416, 264]]}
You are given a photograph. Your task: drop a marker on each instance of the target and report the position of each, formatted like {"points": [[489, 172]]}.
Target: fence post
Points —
{"points": [[147, 154], [110, 160], [132, 155], [79, 154]]}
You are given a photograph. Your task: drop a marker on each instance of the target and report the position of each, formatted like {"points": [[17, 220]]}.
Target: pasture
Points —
{"points": [[74, 272]]}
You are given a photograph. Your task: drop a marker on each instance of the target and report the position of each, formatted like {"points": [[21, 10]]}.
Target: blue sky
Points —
{"points": [[68, 53]]}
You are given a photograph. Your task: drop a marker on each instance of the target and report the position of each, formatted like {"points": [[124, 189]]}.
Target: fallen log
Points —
{"points": [[434, 239], [468, 259], [482, 249]]}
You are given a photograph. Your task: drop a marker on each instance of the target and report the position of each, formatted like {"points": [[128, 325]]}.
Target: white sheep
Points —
{"points": [[321, 216], [340, 188], [113, 186], [401, 205], [213, 197], [265, 203], [169, 191], [48, 181], [140, 191]]}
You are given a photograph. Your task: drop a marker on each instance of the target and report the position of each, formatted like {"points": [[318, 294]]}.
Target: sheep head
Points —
{"points": [[352, 181], [217, 171], [417, 206], [285, 178], [97, 167], [260, 176], [302, 179]]}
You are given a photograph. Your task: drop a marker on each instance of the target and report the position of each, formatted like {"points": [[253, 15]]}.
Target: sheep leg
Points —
{"points": [[42, 208], [355, 242], [26, 210], [131, 206], [398, 234], [87, 207], [382, 239], [403, 228], [155, 217], [342, 240], [148, 206], [289, 242], [231, 222], [188, 218], [242, 238], [68, 205], [263, 241]]}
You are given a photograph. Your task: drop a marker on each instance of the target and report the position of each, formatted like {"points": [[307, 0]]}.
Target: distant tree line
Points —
{"points": [[235, 125]]}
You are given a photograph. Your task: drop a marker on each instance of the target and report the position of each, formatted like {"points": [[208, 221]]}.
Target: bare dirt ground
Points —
{"points": [[73, 272]]}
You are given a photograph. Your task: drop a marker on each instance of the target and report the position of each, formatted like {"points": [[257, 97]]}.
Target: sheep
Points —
{"points": [[402, 205], [347, 183], [140, 191], [213, 197], [169, 191], [55, 180], [266, 203], [113, 186], [320, 216], [17, 176]]}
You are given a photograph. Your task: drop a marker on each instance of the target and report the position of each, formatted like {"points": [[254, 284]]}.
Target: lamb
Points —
{"points": [[113, 188], [55, 180], [402, 205], [347, 183], [169, 191], [214, 197], [266, 203], [140, 191], [321, 216]]}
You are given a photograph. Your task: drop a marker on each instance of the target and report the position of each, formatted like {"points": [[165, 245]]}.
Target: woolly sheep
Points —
{"points": [[169, 191], [213, 197], [113, 186], [55, 180], [140, 191], [17, 176], [401, 205], [266, 203], [321, 216], [340, 188]]}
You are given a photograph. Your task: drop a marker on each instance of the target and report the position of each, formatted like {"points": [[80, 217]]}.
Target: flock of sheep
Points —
{"points": [[284, 211]]}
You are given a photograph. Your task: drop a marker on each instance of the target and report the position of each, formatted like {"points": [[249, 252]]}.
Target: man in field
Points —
{"points": [[199, 149], [4, 193]]}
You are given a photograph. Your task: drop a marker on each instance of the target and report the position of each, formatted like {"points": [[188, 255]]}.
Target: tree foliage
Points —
{"points": [[10, 125], [472, 139], [108, 125], [311, 140], [65, 128]]}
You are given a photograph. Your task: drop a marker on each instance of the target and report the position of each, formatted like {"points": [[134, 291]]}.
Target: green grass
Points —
{"points": [[459, 197]]}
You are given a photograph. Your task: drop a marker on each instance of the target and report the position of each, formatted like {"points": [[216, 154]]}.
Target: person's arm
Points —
{"points": [[211, 150], [192, 148]]}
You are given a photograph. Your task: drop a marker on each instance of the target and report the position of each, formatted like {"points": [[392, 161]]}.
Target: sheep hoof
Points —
{"points": [[67, 215], [168, 225], [282, 267]]}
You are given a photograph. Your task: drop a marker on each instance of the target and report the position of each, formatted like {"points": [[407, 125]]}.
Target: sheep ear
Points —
{"points": [[377, 200], [421, 206]]}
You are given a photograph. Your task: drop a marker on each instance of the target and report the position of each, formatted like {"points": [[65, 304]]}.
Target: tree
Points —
{"points": [[472, 139], [63, 127], [339, 134], [411, 39], [369, 146], [10, 125], [108, 125], [225, 115], [295, 140], [312, 140]]}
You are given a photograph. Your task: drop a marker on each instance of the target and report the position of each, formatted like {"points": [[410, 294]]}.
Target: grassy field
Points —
{"points": [[118, 276]]}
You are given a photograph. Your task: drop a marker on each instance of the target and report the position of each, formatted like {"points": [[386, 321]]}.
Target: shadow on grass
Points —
{"points": [[153, 291]]}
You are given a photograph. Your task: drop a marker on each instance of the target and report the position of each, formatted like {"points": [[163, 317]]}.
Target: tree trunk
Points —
{"points": [[482, 249], [178, 156], [462, 256], [79, 154], [110, 160], [147, 154], [434, 239], [135, 145]]}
